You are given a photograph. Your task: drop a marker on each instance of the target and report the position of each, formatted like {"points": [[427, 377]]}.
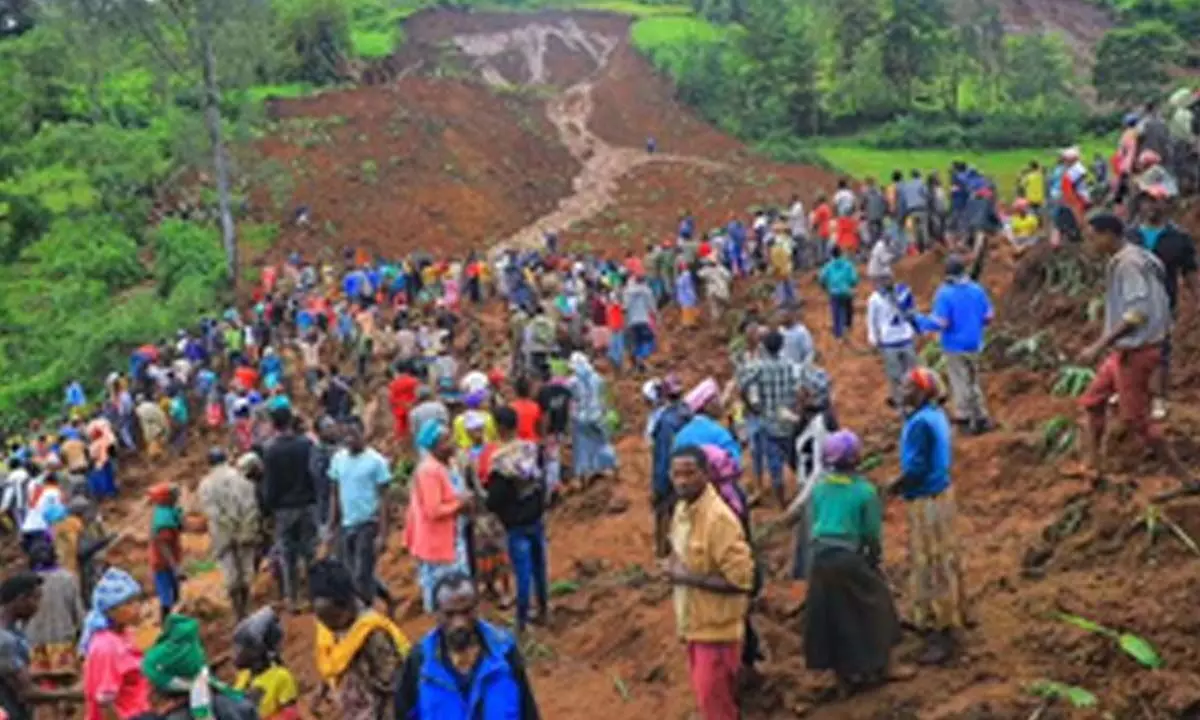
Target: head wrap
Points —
{"points": [[702, 394], [926, 381], [671, 385], [249, 461], [580, 364], [161, 493], [841, 448], [430, 433], [116, 587], [54, 513], [475, 400], [176, 658]]}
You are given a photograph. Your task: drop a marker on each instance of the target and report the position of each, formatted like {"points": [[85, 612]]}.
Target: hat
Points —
{"points": [[702, 394], [841, 448], [1071, 153], [473, 421]]}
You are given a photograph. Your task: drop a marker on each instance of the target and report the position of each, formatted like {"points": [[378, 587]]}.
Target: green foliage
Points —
{"points": [[1131, 63], [182, 251], [1073, 380], [1132, 645], [314, 35], [1078, 697], [1058, 435]]}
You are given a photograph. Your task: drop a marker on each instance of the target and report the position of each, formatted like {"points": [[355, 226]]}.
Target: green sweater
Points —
{"points": [[845, 507]]}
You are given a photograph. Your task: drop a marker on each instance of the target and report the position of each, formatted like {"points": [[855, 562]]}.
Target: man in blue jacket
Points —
{"points": [[961, 313], [465, 668], [666, 424]]}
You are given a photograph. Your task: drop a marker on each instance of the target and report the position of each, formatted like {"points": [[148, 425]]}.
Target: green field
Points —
{"points": [[1004, 166]]}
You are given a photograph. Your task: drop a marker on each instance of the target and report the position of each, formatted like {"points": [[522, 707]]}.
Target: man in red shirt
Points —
{"points": [[402, 395], [529, 413]]}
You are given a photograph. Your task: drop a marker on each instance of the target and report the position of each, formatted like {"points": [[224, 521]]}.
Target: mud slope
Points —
{"points": [[1037, 539], [1079, 22]]}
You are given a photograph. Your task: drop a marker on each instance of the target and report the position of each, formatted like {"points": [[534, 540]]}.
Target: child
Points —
{"points": [[839, 278], [166, 549], [491, 560], [1023, 226], [261, 674]]}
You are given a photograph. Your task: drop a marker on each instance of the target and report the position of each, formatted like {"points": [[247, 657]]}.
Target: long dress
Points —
{"points": [[54, 629], [592, 452]]}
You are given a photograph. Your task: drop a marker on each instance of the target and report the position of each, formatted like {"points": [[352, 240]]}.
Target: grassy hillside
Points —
{"points": [[1005, 166]]}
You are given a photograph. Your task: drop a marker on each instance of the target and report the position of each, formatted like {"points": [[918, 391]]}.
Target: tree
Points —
{"points": [[855, 22], [186, 37], [783, 88], [1037, 69], [911, 37], [1131, 62]]}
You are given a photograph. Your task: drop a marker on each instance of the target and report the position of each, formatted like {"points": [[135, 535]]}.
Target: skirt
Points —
{"points": [[102, 482], [430, 574], [591, 450], [936, 582], [850, 623]]}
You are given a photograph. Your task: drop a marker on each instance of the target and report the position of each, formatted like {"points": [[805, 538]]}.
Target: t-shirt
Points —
{"points": [[1135, 285], [112, 671], [555, 401], [1024, 226], [358, 479], [276, 688], [639, 304], [14, 658], [529, 413]]}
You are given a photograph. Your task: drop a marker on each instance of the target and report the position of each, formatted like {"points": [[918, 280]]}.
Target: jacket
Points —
{"points": [[708, 538], [839, 277], [963, 311], [516, 491], [498, 687], [669, 422], [925, 452], [429, 528]]}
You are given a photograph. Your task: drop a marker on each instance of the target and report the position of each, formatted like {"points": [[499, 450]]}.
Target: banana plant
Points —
{"points": [[1073, 380], [1058, 435], [1079, 698], [1132, 645]]}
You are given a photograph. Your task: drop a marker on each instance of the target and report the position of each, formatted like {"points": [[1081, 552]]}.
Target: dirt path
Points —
{"points": [[524, 54]]}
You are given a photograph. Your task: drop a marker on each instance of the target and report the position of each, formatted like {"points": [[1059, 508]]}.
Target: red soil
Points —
{"points": [[1036, 538]]}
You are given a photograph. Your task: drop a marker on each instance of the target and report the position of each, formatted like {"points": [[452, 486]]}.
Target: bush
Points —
{"points": [[911, 133], [1006, 129]]}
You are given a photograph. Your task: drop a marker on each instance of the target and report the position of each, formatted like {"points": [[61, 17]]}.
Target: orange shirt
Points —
{"points": [[616, 316], [529, 413], [847, 233], [820, 220], [246, 376]]}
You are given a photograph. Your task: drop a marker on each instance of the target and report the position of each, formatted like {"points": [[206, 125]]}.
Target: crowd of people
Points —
{"points": [[488, 434]]}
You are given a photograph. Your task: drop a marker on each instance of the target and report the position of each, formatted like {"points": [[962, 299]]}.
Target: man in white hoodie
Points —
{"points": [[890, 330]]}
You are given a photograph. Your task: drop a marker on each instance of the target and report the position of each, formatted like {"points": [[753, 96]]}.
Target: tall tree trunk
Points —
{"points": [[212, 120]]}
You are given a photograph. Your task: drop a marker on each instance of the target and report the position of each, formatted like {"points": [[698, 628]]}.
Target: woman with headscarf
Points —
{"points": [[52, 631], [924, 483], [182, 686], [704, 427], [476, 402], [432, 531], [113, 683], [850, 624], [261, 673], [593, 453]]}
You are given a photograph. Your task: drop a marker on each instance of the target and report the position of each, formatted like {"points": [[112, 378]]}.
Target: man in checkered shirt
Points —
{"points": [[777, 390]]}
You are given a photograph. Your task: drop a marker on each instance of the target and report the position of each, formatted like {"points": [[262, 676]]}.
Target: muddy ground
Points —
{"points": [[441, 158]]}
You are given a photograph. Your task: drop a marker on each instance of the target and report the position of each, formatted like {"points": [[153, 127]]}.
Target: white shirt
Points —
{"points": [[886, 326], [880, 260], [35, 520], [843, 202]]}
